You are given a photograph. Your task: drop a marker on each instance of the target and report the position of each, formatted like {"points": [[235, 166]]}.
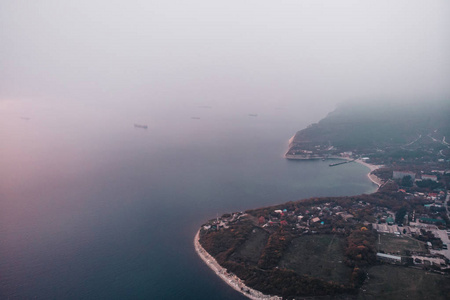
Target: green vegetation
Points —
{"points": [[391, 243], [407, 181], [429, 184], [327, 246], [221, 244], [252, 248], [320, 256], [361, 250], [400, 215], [396, 282], [312, 247], [384, 132]]}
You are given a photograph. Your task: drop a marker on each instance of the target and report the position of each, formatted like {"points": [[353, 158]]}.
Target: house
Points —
{"points": [[429, 177], [431, 221]]}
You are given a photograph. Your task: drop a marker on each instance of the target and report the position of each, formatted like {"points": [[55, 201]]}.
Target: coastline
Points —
{"points": [[229, 278], [371, 176], [372, 168], [235, 282]]}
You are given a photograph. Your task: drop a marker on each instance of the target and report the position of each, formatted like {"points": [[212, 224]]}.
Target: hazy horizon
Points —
{"points": [[92, 207], [233, 56]]}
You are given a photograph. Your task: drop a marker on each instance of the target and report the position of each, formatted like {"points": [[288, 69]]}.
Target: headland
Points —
{"points": [[347, 247], [229, 278], [232, 279]]}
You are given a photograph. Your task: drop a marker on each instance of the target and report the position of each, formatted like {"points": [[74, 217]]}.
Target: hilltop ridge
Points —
{"points": [[374, 129]]}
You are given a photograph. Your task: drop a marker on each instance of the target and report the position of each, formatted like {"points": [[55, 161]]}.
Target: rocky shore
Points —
{"points": [[231, 279]]}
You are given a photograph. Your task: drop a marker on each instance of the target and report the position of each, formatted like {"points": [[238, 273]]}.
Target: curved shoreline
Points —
{"points": [[235, 282], [375, 179], [229, 278]]}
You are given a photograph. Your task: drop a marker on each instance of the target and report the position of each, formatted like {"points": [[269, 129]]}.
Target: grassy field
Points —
{"points": [[252, 248], [318, 256], [391, 243], [397, 282]]}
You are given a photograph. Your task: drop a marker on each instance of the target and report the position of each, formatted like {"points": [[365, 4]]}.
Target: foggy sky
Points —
{"points": [[256, 55]]}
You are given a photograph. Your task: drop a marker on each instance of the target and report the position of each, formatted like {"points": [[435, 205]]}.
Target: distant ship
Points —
{"points": [[252, 115], [195, 118], [141, 126]]}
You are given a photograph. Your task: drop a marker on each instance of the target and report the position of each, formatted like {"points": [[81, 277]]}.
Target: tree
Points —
{"points": [[407, 181], [400, 215]]}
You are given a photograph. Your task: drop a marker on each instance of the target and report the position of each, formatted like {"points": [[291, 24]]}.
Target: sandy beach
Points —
{"points": [[231, 279], [372, 168]]}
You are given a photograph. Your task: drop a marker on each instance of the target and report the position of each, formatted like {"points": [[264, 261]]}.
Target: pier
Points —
{"points": [[341, 163]]}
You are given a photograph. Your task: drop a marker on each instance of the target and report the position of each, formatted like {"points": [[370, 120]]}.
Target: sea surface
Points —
{"points": [[92, 207]]}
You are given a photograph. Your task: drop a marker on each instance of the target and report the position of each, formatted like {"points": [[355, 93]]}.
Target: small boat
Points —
{"points": [[252, 115], [141, 126]]}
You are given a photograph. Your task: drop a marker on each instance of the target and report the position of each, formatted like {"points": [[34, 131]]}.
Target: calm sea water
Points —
{"points": [[93, 208]]}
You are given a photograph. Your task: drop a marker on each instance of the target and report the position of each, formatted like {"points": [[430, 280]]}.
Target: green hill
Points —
{"points": [[363, 127]]}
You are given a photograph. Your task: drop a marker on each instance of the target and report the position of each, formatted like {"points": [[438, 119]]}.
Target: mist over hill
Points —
{"points": [[354, 126]]}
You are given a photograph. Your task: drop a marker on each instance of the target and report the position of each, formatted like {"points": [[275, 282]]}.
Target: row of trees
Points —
{"points": [[273, 251], [361, 250]]}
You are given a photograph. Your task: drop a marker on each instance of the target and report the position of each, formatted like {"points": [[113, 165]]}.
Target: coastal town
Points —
{"points": [[406, 226], [426, 221], [355, 245]]}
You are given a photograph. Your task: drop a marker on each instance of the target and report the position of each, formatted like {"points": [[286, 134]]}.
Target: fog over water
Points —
{"points": [[93, 208], [258, 55]]}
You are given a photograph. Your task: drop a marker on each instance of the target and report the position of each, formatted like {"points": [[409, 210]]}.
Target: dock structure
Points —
{"points": [[341, 162]]}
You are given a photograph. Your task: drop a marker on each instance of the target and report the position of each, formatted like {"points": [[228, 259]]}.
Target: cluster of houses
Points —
{"points": [[435, 207], [308, 219], [329, 217], [435, 255], [223, 222], [417, 176], [305, 219], [435, 199]]}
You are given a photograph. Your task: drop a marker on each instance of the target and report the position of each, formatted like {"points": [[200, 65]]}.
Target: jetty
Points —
{"points": [[341, 162]]}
